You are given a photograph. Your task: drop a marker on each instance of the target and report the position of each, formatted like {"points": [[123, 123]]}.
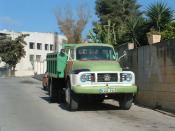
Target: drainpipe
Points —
{"points": [[55, 41]]}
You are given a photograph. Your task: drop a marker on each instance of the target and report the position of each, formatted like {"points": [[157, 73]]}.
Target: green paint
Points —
{"points": [[96, 89], [97, 65], [56, 65], [61, 64]]}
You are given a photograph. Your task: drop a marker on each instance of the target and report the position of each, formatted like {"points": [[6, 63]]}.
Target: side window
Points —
{"points": [[72, 53], [67, 51]]}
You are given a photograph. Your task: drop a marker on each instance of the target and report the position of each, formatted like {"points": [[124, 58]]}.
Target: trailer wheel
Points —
{"points": [[71, 98], [49, 86], [53, 91], [125, 101], [60, 96], [45, 87]]}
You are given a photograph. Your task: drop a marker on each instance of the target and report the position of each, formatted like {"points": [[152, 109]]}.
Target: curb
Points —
{"points": [[165, 112]]}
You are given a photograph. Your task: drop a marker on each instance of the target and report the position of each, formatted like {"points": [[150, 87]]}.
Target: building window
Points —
{"points": [[51, 47], [31, 58], [39, 46], [38, 58], [46, 47], [31, 45]]}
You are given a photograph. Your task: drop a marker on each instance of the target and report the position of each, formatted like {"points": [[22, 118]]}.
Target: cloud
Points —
{"points": [[8, 21]]}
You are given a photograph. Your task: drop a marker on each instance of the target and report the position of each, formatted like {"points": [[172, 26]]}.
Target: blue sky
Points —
{"points": [[38, 15]]}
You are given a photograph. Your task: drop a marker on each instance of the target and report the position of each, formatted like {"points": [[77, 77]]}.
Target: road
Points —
{"points": [[24, 106]]}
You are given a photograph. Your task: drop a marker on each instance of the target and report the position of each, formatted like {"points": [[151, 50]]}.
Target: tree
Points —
{"points": [[130, 24], [96, 35], [11, 51], [103, 33], [169, 32], [159, 15], [72, 27], [119, 13], [137, 31], [133, 26]]}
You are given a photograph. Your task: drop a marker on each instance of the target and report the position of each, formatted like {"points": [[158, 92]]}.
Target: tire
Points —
{"points": [[71, 98], [48, 89], [53, 91], [125, 101], [97, 99], [44, 88], [60, 96]]}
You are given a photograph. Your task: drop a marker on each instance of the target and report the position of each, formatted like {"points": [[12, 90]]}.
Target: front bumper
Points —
{"points": [[104, 89]]}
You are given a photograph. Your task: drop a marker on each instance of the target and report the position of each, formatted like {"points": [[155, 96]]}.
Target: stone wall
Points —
{"points": [[154, 66]]}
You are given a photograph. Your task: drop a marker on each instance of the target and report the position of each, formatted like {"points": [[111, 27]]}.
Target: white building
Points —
{"points": [[38, 45]]}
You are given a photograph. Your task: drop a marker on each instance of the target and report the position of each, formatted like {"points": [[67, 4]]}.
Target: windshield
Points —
{"points": [[95, 53]]}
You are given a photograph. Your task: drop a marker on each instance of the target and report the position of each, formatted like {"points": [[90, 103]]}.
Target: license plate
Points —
{"points": [[107, 90]]}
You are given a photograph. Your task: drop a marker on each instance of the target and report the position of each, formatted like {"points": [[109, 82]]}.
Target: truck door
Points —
{"points": [[69, 62]]}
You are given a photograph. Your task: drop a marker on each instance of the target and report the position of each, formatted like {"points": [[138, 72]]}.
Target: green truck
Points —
{"points": [[88, 72]]}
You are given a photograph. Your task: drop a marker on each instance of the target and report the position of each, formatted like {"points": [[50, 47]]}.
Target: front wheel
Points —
{"points": [[45, 88], [71, 98], [125, 101]]}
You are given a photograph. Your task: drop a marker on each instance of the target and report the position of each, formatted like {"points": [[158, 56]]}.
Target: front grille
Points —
{"points": [[107, 77]]}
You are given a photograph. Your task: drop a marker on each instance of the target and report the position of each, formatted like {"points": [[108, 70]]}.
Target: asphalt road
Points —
{"points": [[24, 106]]}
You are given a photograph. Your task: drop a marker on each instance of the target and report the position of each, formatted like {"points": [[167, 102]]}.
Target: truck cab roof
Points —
{"points": [[85, 44]]}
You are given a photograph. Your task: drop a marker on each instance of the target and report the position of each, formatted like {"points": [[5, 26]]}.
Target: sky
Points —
{"points": [[38, 15]]}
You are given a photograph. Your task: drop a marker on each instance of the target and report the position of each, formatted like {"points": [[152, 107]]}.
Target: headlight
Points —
{"points": [[87, 77], [125, 77]]}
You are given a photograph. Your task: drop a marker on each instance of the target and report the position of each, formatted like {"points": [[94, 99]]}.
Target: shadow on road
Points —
{"points": [[87, 106], [28, 82], [47, 99], [98, 106], [93, 107]]}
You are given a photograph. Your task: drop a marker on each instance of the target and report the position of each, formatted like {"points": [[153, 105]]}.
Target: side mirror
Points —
{"points": [[116, 54], [62, 52], [124, 54]]}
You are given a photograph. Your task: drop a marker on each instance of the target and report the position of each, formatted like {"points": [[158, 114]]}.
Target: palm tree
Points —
{"points": [[159, 15], [133, 26]]}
